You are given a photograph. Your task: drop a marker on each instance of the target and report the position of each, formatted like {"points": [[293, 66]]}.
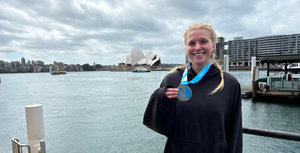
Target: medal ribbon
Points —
{"points": [[195, 79]]}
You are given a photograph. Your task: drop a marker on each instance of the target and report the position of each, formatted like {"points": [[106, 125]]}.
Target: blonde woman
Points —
{"points": [[198, 107]]}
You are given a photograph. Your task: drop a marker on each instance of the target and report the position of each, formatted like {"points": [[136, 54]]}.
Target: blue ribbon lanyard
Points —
{"points": [[195, 79]]}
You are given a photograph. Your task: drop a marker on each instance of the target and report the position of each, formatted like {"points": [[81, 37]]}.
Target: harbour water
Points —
{"points": [[103, 112]]}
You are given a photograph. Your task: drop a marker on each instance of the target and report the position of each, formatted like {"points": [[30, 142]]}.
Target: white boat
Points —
{"points": [[292, 72], [140, 69]]}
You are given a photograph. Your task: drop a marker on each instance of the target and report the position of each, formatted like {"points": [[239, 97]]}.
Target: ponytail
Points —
{"points": [[221, 85]]}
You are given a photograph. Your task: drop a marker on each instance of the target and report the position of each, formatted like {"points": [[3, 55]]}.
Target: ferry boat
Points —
{"points": [[58, 72], [140, 69]]}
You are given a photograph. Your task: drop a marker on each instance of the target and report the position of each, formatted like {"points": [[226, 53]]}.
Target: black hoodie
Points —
{"points": [[205, 123]]}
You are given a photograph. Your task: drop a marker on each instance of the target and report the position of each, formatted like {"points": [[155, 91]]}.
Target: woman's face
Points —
{"points": [[199, 47]]}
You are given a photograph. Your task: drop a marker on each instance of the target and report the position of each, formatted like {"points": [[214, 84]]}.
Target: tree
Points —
{"points": [[98, 66], [87, 67], [220, 61], [225, 51]]}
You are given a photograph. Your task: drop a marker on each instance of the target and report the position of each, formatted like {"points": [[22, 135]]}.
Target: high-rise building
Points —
{"points": [[23, 61], [219, 51], [244, 49], [241, 49], [187, 59]]}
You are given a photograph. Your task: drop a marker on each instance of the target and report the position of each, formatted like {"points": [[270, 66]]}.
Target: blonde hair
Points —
{"points": [[214, 39]]}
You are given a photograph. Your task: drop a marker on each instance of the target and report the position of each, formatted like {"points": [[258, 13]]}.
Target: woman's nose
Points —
{"points": [[197, 46]]}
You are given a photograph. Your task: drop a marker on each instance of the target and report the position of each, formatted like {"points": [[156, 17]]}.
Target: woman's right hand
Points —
{"points": [[171, 93]]}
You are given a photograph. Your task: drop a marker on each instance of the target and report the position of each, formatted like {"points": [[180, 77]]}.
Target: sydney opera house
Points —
{"points": [[137, 58]]}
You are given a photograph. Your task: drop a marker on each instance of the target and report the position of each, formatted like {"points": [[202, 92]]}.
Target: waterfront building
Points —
{"points": [[37, 68], [187, 59], [38, 62], [137, 57], [58, 64], [23, 60], [241, 49], [15, 63], [219, 52], [7, 66]]}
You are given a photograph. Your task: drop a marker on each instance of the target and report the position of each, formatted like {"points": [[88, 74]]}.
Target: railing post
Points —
{"points": [[15, 147], [226, 63], [42, 147]]}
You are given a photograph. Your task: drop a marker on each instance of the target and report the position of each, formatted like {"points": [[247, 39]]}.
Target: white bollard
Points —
{"points": [[35, 126], [253, 64], [226, 63]]}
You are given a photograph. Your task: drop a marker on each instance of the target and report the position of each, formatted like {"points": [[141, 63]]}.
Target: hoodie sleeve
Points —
{"points": [[234, 133], [160, 111]]}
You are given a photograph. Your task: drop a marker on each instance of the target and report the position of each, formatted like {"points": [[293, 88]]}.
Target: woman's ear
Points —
{"points": [[213, 48]]}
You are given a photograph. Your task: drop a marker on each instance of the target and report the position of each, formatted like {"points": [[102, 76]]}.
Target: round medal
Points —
{"points": [[184, 93]]}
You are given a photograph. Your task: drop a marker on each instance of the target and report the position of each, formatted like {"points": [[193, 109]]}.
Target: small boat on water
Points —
{"points": [[58, 72], [140, 69]]}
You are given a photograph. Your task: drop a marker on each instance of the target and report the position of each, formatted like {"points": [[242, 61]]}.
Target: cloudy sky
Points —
{"points": [[102, 31]]}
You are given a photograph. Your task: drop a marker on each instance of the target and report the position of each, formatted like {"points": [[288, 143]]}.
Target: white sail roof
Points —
{"points": [[155, 62], [136, 57]]}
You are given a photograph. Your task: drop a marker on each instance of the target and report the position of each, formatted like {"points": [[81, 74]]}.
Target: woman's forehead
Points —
{"points": [[198, 34]]}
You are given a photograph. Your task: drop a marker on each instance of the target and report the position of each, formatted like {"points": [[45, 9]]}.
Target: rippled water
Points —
{"points": [[103, 112]]}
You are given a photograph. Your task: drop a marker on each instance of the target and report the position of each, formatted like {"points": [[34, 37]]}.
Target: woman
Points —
{"points": [[198, 107]]}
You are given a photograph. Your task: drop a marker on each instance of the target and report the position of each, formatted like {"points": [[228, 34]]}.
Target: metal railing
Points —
{"points": [[17, 147], [286, 85], [272, 134]]}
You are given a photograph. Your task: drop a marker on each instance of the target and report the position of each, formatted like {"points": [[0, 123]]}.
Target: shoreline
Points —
{"points": [[231, 69]]}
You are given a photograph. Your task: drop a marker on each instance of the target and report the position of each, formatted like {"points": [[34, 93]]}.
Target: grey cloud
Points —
{"points": [[8, 51], [87, 30]]}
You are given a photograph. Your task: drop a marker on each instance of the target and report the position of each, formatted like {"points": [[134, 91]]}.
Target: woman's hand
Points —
{"points": [[171, 93]]}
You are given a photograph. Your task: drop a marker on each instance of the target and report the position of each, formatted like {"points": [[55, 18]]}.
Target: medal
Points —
{"points": [[184, 91]]}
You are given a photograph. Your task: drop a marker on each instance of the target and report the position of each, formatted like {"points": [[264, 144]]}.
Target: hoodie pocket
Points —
{"points": [[189, 146]]}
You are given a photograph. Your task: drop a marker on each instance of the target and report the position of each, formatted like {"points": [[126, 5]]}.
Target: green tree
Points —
{"points": [[225, 51], [98, 66], [87, 67], [221, 62]]}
